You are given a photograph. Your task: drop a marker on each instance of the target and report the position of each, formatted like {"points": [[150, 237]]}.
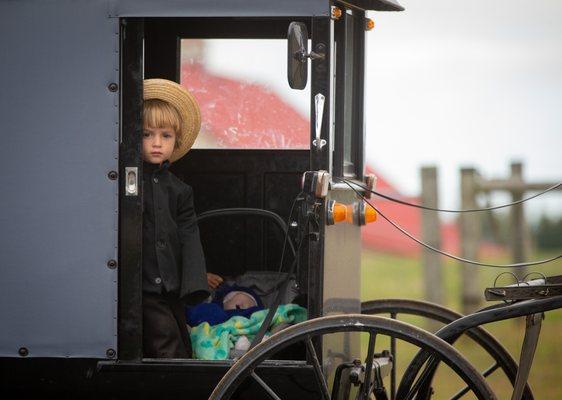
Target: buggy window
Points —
{"points": [[242, 89]]}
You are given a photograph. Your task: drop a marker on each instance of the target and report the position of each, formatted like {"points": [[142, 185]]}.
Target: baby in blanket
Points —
{"points": [[225, 327], [228, 301]]}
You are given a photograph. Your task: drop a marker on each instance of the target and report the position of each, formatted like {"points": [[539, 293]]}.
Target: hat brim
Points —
{"points": [[185, 104]]}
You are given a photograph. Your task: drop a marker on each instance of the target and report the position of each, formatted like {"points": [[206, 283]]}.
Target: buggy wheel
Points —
{"points": [[501, 359], [312, 330]]}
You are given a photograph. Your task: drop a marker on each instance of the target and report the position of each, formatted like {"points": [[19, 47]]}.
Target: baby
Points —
{"points": [[228, 301]]}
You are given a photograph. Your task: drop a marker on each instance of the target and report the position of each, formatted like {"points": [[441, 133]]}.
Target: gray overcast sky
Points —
{"points": [[459, 83]]}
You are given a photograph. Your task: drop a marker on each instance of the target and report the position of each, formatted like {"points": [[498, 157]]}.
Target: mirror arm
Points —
{"points": [[316, 56], [301, 56]]}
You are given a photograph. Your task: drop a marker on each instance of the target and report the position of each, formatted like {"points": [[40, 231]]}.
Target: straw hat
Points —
{"points": [[185, 104]]}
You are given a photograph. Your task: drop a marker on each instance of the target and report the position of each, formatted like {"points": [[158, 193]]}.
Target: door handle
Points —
{"points": [[131, 181]]}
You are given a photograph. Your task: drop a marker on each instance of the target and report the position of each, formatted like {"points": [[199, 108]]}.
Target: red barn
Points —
{"points": [[236, 114]]}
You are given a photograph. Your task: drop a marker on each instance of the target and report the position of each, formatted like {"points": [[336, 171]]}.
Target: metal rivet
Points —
{"points": [[113, 87], [23, 351], [110, 353], [112, 175], [112, 264]]}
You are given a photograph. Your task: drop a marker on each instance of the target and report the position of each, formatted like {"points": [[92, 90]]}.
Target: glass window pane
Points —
{"points": [[246, 102], [348, 101]]}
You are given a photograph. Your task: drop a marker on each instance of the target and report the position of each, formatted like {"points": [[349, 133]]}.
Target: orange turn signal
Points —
{"points": [[358, 213], [336, 12], [340, 212], [370, 214]]}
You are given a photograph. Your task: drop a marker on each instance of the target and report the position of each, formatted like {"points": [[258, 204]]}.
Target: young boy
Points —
{"points": [[173, 265]]}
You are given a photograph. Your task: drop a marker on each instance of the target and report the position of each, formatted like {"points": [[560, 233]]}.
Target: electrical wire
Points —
{"points": [[464, 260], [297, 198], [403, 202], [281, 286]]}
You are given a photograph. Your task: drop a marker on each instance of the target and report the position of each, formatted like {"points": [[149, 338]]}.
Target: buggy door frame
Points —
{"points": [[165, 63], [349, 70]]}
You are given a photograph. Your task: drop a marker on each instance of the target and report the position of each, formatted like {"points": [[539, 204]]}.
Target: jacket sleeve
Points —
{"points": [[194, 287]]}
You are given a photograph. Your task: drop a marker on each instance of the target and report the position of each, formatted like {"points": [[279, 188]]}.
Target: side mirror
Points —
{"points": [[297, 51]]}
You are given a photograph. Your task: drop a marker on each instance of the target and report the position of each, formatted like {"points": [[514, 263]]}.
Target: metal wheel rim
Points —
{"points": [[442, 314], [352, 323]]}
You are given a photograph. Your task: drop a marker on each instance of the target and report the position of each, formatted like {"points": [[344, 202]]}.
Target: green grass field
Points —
{"points": [[390, 276]]}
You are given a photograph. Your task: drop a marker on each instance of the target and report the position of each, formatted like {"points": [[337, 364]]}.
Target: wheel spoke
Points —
{"points": [[393, 370], [264, 385], [485, 374], [426, 373], [369, 363], [491, 369], [317, 369]]}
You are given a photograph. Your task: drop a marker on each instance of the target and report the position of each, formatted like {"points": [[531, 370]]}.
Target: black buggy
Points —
{"points": [[71, 214]]}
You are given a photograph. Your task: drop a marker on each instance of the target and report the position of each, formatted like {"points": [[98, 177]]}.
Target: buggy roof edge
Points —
{"points": [[238, 8], [218, 8], [375, 5]]}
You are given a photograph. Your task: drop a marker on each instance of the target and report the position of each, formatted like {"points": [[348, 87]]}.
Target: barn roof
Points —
{"points": [[244, 116]]}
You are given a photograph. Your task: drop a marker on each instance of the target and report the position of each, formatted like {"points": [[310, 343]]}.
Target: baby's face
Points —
{"points": [[238, 301], [158, 144]]}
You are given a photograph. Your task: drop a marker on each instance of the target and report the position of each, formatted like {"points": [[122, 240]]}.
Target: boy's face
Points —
{"points": [[157, 144]]}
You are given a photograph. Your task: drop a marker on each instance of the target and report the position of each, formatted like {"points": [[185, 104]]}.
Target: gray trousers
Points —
{"points": [[164, 327]]}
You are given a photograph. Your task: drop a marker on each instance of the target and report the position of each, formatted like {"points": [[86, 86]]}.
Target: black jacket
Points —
{"points": [[172, 259]]}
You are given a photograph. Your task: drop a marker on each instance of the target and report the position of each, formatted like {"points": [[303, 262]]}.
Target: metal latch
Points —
{"points": [[131, 181], [318, 142], [316, 183]]}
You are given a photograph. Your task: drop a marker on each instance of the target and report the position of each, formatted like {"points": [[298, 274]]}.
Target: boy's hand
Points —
{"points": [[213, 280]]}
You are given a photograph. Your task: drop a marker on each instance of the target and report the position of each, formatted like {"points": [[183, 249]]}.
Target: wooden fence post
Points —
{"points": [[470, 237], [517, 239], [431, 234]]}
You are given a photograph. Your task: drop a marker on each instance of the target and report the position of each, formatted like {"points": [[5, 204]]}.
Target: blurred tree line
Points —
{"points": [[548, 233]]}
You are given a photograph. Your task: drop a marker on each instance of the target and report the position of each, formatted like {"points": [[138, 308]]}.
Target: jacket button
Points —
{"points": [[158, 281], [155, 179], [160, 244]]}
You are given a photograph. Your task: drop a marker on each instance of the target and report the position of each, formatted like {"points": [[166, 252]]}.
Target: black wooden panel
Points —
{"points": [[130, 207], [219, 28], [274, 182], [321, 77], [266, 179], [219, 235]]}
